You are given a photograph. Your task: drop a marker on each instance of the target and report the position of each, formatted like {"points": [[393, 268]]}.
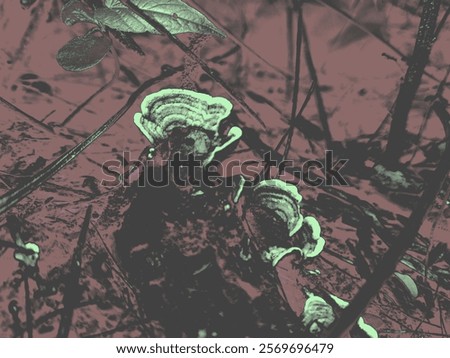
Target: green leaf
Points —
{"points": [[83, 52], [174, 15], [75, 11]]}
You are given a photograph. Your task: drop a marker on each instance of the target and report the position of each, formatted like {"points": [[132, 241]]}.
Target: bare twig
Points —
{"points": [[28, 313], [441, 24], [298, 50], [296, 119], [33, 120], [48, 316], [317, 93], [72, 290], [96, 93], [290, 45], [410, 85], [36, 13]]}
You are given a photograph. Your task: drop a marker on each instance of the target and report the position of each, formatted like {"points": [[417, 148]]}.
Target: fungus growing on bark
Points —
{"points": [[274, 222], [318, 315], [310, 241], [186, 122]]}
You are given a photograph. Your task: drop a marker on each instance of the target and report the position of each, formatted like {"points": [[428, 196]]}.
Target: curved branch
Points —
{"points": [[403, 242]]}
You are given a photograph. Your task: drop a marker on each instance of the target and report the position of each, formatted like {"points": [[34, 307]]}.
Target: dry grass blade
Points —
{"points": [[408, 88], [33, 120], [317, 93], [298, 51]]}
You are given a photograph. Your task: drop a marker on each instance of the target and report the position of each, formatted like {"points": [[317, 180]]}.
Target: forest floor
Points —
{"points": [[202, 287]]}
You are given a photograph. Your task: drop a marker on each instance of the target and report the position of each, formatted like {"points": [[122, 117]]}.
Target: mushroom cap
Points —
{"points": [[309, 237], [275, 254], [171, 108], [317, 313], [277, 203]]}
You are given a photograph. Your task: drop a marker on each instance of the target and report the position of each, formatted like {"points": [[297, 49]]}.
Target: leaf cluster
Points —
{"points": [[86, 51]]}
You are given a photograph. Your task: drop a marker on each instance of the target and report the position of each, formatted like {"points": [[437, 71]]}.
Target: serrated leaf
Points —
{"points": [[83, 52], [75, 11], [436, 253], [176, 16]]}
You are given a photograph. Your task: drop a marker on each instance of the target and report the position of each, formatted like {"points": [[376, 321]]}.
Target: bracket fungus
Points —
{"points": [[311, 242], [272, 217], [187, 121], [318, 315]]}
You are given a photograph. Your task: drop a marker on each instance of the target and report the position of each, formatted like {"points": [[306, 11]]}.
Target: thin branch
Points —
{"points": [[403, 242], [427, 116], [96, 93], [33, 24], [12, 197], [298, 50], [317, 93], [92, 96], [290, 45], [298, 117], [72, 289], [33, 120], [363, 28], [411, 83], [441, 24], [28, 313]]}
